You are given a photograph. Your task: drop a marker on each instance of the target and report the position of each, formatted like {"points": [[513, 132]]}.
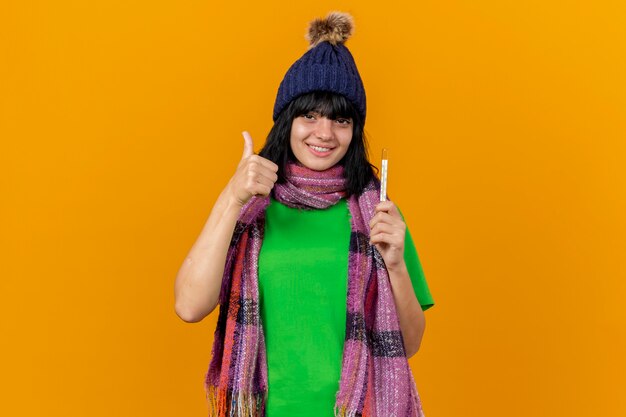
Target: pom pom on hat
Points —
{"points": [[335, 28]]}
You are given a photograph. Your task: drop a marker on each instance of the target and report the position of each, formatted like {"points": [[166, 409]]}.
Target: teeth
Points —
{"points": [[319, 149]]}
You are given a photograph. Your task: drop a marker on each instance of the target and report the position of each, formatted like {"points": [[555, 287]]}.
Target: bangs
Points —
{"points": [[326, 103]]}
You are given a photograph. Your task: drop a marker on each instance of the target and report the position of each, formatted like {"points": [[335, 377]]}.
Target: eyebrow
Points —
{"points": [[332, 118]]}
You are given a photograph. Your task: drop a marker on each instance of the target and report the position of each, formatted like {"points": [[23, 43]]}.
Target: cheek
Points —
{"points": [[298, 130], [346, 141], [293, 135]]}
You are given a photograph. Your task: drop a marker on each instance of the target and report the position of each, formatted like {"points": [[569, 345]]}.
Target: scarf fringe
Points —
{"points": [[344, 412], [227, 404]]}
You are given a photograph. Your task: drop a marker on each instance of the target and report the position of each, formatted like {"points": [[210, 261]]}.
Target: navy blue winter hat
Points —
{"points": [[327, 65]]}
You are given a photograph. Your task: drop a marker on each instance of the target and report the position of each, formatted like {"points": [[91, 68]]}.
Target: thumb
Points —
{"points": [[248, 147]]}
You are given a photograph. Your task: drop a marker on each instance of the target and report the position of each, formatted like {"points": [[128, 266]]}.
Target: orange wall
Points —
{"points": [[506, 123]]}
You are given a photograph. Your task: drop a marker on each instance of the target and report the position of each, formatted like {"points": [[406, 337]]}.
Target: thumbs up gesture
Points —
{"points": [[255, 175]]}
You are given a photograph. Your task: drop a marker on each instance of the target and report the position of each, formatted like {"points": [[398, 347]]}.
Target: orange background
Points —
{"points": [[506, 122]]}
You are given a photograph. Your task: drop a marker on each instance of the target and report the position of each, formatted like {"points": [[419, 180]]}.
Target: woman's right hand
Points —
{"points": [[255, 175]]}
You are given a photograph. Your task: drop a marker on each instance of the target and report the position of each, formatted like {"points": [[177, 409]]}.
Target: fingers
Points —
{"points": [[255, 175], [387, 226], [387, 212], [387, 206], [248, 145], [248, 154], [391, 229], [261, 176], [258, 170], [382, 217], [384, 238], [259, 189], [262, 163]]}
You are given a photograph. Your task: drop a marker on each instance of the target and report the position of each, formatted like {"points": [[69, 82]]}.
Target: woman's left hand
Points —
{"points": [[387, 231]]}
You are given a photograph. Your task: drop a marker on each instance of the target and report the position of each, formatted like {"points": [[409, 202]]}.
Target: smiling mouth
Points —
{"points": [[319, 148]]}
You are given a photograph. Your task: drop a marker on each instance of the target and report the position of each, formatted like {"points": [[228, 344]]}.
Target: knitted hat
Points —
{"points": [[326, 66]]}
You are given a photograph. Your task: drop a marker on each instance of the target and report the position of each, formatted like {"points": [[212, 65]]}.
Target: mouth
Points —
{"points": [[320, 150]]}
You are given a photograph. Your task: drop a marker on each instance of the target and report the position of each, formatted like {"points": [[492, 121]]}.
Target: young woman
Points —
{"points": [[320, 288]]}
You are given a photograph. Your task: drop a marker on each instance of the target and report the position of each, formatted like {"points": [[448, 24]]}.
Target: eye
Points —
{"points": [[309, 116], [343, 121]]}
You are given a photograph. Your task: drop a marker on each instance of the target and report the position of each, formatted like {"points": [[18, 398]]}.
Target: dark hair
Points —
{"points": [[357, 169]]}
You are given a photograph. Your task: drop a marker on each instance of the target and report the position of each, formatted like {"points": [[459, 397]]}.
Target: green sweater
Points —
{"points": [[303, 271]]}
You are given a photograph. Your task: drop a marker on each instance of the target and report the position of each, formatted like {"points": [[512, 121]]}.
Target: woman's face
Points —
{"points": [[319, 142]]}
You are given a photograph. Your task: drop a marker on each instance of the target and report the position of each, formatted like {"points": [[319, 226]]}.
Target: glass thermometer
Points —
{"points": [[383, 177]]}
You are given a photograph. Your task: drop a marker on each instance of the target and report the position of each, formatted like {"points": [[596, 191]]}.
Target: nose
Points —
{"points": [[324, 129]]}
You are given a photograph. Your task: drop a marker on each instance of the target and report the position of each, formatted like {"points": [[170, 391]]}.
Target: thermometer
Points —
{"points": [[383, 177]]}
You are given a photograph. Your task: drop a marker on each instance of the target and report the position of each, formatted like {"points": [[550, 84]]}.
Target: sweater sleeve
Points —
{"points": [[420, 286], [416, 273]]}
